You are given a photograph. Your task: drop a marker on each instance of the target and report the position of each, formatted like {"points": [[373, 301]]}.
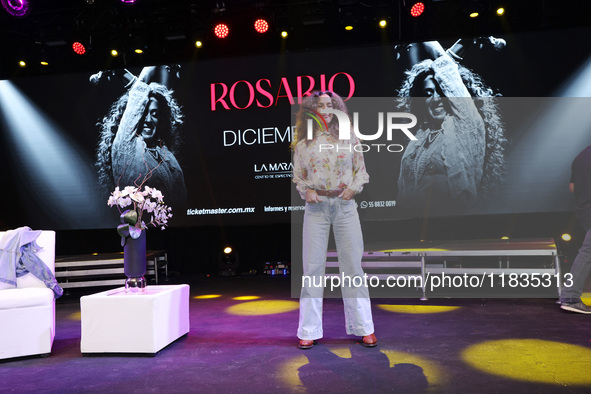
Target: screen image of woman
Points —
{"points": [[457, 160], [140, 136], [328, 180]]}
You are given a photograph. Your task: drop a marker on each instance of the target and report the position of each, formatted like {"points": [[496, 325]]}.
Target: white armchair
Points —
{"points": [[27, 312]]}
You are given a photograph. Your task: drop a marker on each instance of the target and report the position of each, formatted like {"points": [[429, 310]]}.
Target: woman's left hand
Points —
{"points": [[347, 194]]}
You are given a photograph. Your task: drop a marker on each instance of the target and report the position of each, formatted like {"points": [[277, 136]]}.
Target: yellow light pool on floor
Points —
{"points": [[207, 296], [75, 316], [399, 362], [246, 298], [260, 308], [417, 309], [474, 15], [532, 360]]}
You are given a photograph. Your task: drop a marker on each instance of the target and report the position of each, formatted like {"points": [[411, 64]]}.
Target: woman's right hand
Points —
{"points": [[312, 197], [147, 74], [433, 49]]}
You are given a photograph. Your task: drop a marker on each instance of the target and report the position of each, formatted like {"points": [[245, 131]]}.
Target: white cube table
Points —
{"points": [[114, 321]]}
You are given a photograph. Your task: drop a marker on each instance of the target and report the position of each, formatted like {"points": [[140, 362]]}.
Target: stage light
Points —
{"points": [[349, 17], [43, 56], [221, 30], [261, 26], [566, 237], [504, 237], [198, 44], [284, 34], [139, 51], [417, 9], [78, 48], [474, 14], [282, 22], [383, 23], [129, 1], [18, 8], [500, 11], [114, 53], [22, 64], [229, 262]]}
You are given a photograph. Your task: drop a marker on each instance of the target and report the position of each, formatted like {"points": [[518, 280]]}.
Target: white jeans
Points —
{"points": [[343, 217]]}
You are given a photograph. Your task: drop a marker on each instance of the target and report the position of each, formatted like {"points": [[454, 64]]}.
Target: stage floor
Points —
{"points": [[242, 340]]}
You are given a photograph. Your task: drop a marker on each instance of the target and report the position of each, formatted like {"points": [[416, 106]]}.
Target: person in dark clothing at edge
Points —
{"points": [[580, 185]]}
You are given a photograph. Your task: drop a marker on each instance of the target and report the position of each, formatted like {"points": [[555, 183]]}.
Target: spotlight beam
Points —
{"points": [[54, 177]]}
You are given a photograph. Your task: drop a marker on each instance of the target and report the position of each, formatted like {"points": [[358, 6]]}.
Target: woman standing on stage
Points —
{"points": [[328, 180]]}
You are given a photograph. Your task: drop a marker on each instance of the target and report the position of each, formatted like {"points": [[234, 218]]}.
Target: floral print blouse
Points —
{"points": [[319, 168]]}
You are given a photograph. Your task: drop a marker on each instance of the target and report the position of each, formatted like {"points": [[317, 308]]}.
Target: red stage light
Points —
{"points": [[417, 9], [221, 30], [261, 26], [78, 48]]}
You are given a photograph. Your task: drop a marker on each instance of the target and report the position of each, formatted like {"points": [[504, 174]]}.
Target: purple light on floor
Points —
{"points": [[18, 8], [128, 1]]}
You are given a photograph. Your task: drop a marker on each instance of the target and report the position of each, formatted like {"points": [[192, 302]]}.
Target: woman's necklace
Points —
{"points": [[431, 136]]}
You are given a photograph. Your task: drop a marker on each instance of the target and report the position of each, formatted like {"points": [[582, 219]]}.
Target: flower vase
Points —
{"points": [[134, 263]]}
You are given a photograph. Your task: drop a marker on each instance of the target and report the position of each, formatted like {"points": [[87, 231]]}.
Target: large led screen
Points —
{"points": [[214, 136]]}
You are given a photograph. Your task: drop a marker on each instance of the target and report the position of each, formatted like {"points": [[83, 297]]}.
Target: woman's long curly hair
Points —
{"points": [[309, 107], [169, 122], [494, 159]]}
